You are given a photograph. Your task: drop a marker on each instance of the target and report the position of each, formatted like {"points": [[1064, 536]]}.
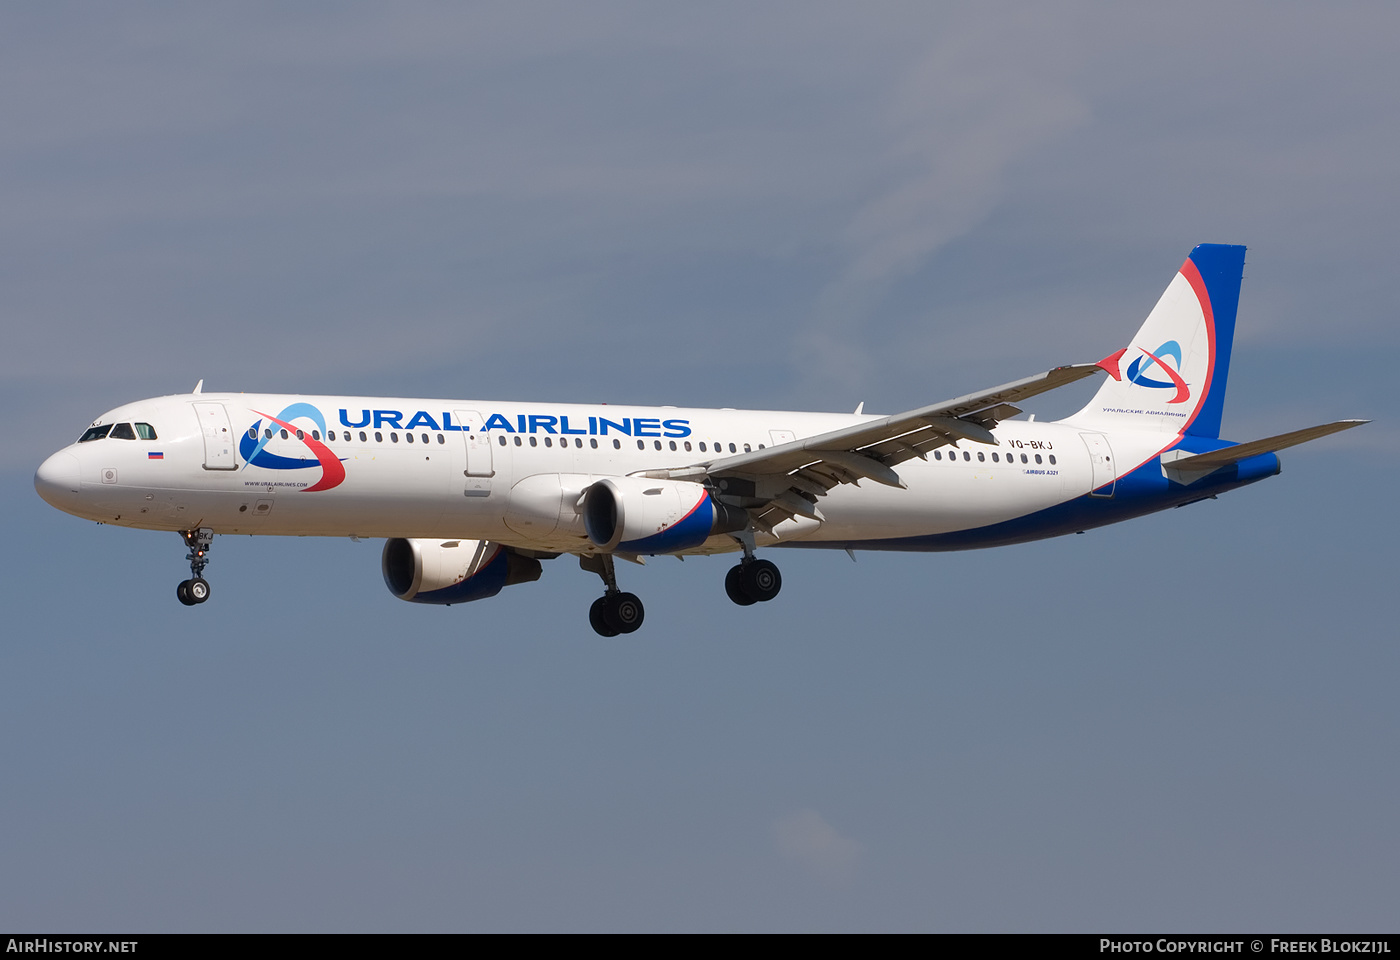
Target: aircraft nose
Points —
{"points": [[58, 480]]}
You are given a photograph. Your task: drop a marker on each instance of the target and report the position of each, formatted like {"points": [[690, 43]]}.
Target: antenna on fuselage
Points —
{"points": [[198, 387]]}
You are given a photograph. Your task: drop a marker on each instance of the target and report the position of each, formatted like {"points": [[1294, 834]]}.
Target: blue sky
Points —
{"points": [[1181, 723]]}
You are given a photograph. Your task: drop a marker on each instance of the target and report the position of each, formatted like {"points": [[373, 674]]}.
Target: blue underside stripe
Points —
{"points": [[1141, 492]]}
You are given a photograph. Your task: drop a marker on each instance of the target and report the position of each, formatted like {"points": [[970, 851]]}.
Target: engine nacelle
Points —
{"points": [[637, 515], [452, 571]]}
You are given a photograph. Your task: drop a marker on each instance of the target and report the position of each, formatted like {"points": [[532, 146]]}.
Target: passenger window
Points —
{"points": [[284, 435], [147, 432], [593, 442], [503, 439], [966, 455], [378, 437], [732, 449], [393, 435], [747, 448], [534, 442], [996, 458], [363, 438], [578, 442], [760, 446], [617, 444], [95, 433], [641, 444], [316, 435], [658, 444], [981, 456], [267, 434], [687, 446], [441, 438], [517, 441], [300, 435], [252, 433], [1037, 458], [1052, 459], [425, 437], [408, 437], [938, 454], [547, 442], [702, 446], [1023, 458]]}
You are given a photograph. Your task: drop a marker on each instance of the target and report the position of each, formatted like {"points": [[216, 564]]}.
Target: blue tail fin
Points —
{"points": [[1221, 269]]}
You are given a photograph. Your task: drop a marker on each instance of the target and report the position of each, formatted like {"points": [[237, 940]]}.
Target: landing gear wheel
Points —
{"points": [[761, 580], [598, 618], [182, 590], [197, 589], [734, 586], [625, 612]]}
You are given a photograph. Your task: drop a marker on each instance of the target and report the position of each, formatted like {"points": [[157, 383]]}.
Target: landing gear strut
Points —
{"points": [[196, 589], [614, 612], [752, 580]]}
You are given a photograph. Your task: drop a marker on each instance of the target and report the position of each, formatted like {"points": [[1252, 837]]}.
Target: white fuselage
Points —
{"points": [[510, 473]]}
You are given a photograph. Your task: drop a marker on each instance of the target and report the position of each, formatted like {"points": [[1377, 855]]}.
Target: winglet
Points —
{"points": [[198, 387], [1110, 363]]}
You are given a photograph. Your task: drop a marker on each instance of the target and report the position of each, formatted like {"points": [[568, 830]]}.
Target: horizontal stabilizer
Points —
{"points": [[1184, 467]]}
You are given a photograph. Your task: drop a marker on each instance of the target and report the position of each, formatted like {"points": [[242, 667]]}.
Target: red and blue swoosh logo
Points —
{"points": [[1137, 371], [252, 447]]}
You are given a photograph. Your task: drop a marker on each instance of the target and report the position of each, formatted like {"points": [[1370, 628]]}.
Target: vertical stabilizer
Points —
{"points": [[1171, 377]]}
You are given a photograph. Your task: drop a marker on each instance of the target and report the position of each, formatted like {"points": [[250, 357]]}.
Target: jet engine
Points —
{"points": [[452, 571], [638, 515]]}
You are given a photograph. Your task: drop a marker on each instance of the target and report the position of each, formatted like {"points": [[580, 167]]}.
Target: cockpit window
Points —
{"points": [[122, 431], [95, 433], [145, 431]]}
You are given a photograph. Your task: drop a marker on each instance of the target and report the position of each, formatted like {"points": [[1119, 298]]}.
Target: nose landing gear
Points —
{"points": [[614, 612], [196, 589]]}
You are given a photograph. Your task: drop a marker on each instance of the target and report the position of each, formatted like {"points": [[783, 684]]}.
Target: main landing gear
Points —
{"points": [[614, 612], [196, 589], [753, 581]]}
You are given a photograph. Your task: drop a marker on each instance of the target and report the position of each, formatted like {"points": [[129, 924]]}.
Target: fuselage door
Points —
{"points": [[218, 436], [1101, 463], [479, 470]]}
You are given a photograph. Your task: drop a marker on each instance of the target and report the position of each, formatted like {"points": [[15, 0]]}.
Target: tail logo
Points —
{"points": [[1137, 371], [253, 448]]}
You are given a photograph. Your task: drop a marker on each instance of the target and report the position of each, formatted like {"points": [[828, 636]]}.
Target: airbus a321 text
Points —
{"points": [[472, 496]]}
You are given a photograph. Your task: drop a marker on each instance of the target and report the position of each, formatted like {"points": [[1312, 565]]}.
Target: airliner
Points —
{"points": [[473, 496]]}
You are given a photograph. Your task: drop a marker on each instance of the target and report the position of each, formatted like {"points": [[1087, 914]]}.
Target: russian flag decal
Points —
{"points": [[155, 456]]}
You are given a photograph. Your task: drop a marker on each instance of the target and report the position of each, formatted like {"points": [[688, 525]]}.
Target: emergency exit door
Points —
{"points": [[479, 469]]}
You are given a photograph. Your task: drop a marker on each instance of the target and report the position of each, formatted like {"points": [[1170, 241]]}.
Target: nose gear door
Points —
{"points": [[218, 436]]}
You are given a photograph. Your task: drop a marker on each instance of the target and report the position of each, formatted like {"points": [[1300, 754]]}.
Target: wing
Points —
{"points": [[786, 480]]}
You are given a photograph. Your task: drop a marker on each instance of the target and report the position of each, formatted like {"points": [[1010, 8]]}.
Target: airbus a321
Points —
{"points": [[473, 496]]}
